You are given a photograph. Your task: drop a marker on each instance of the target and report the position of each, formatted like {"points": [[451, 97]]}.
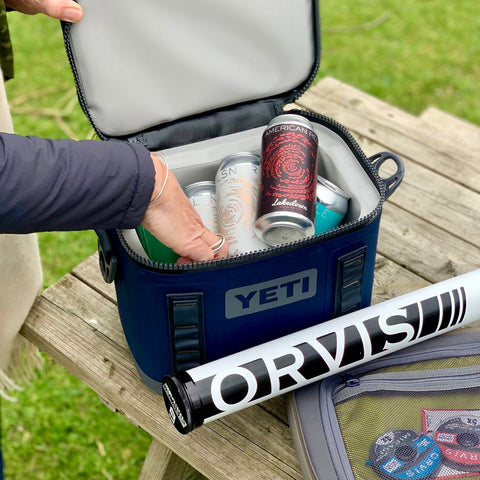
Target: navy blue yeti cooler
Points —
{"points": [[199, 82]]}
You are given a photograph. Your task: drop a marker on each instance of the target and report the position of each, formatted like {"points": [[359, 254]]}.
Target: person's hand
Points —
{"points": [[66, 10], [175, 222]]}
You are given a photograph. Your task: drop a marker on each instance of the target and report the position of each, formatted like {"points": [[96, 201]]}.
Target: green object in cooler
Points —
{"points": [[155, 249]]}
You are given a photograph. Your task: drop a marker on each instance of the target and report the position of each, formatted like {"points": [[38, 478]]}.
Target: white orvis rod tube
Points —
{"points": [[215, 389]]}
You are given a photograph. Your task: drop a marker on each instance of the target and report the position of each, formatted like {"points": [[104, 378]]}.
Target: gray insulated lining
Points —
{"points": [[149, 62], [199, 162]]}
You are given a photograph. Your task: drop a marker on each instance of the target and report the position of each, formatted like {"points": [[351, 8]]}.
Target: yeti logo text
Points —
{"points": [[272, 294]]}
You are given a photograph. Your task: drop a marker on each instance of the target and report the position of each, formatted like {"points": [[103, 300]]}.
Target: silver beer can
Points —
{"points": [[202, 196], [331, 207], [286, 209], [237, 181]]}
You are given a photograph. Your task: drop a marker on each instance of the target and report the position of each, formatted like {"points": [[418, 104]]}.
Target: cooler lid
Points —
{"points": [[144, 65]]}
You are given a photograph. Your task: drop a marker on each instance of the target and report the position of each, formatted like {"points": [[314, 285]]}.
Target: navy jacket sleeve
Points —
{"points": [[70, 185]]}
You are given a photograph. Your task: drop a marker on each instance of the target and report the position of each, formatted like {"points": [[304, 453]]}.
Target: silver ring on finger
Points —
{"points": [[219, 244]]}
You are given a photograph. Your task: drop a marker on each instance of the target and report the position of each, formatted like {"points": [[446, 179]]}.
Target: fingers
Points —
{"points": [[66, 10], [216, 247], [209, 247], [216, 243], [175, 222]]}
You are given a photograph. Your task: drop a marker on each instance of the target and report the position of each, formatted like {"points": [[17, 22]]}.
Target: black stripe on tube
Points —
{"points": [[447, 310], [456, 313], [464, 303]]}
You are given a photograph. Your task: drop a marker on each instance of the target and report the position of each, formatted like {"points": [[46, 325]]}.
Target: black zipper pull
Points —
{"points": [[351, 380]]}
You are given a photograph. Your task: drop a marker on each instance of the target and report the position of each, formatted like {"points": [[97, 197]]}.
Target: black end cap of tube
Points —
{"points": [[181, 402]]}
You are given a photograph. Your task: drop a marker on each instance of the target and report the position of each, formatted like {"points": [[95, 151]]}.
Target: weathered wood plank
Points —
{"points": [[258, 428], [162, 464], [443, 124], [394, 129], [434, 197], [392, 280], [411, 239], [411, 125], [446, 205], [89, 272], [90, 306], [110, 372], [428, 251]]}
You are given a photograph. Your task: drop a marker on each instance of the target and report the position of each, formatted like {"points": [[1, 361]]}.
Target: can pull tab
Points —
{"points": [[393, 181]]}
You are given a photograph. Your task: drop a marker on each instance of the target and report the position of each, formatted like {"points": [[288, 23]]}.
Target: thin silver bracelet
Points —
{"points": [[160, 157]]}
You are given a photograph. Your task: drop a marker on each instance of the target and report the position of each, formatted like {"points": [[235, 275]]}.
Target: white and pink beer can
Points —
{"points": [[237, 183]]}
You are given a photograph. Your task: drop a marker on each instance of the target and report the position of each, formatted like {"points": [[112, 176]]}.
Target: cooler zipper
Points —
{"points": [[329, 386], [81, 95], [326, 121], [318, 47], [348, 227]]}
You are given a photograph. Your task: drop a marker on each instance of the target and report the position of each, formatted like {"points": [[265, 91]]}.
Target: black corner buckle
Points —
{"points": [[107, 257]]}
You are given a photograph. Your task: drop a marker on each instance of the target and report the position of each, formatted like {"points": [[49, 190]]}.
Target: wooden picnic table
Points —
{"points": [[430, 231]]}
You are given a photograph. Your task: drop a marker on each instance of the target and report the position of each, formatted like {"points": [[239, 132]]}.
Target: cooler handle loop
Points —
{"points": [[391, 183], [185, 315]]}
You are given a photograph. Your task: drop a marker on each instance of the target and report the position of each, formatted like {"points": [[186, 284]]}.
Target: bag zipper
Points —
{"points": [[80, 93], [318, 47], [438, 379], [281, 249], [251, 256], [327, 388]]}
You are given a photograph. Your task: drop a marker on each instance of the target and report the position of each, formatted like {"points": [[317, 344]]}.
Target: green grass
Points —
{"points": [[60, 430], [420, 53], [43, 103], [424, 53]]}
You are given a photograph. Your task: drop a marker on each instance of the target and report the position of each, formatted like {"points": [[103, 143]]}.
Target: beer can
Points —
{"points": [[331, 206], [156, 250], [202, 196], [286, 209], [237, 181]]}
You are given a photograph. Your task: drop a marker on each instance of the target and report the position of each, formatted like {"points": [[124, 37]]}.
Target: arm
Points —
{"points": [[77, 185], [69, 185]]}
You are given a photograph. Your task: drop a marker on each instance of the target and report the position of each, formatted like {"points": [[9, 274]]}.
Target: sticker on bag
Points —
{"points": [[404, 454], [457, 433]]}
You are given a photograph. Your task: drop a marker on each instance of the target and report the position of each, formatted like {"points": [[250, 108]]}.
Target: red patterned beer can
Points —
{"points": [[286, 209]]}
